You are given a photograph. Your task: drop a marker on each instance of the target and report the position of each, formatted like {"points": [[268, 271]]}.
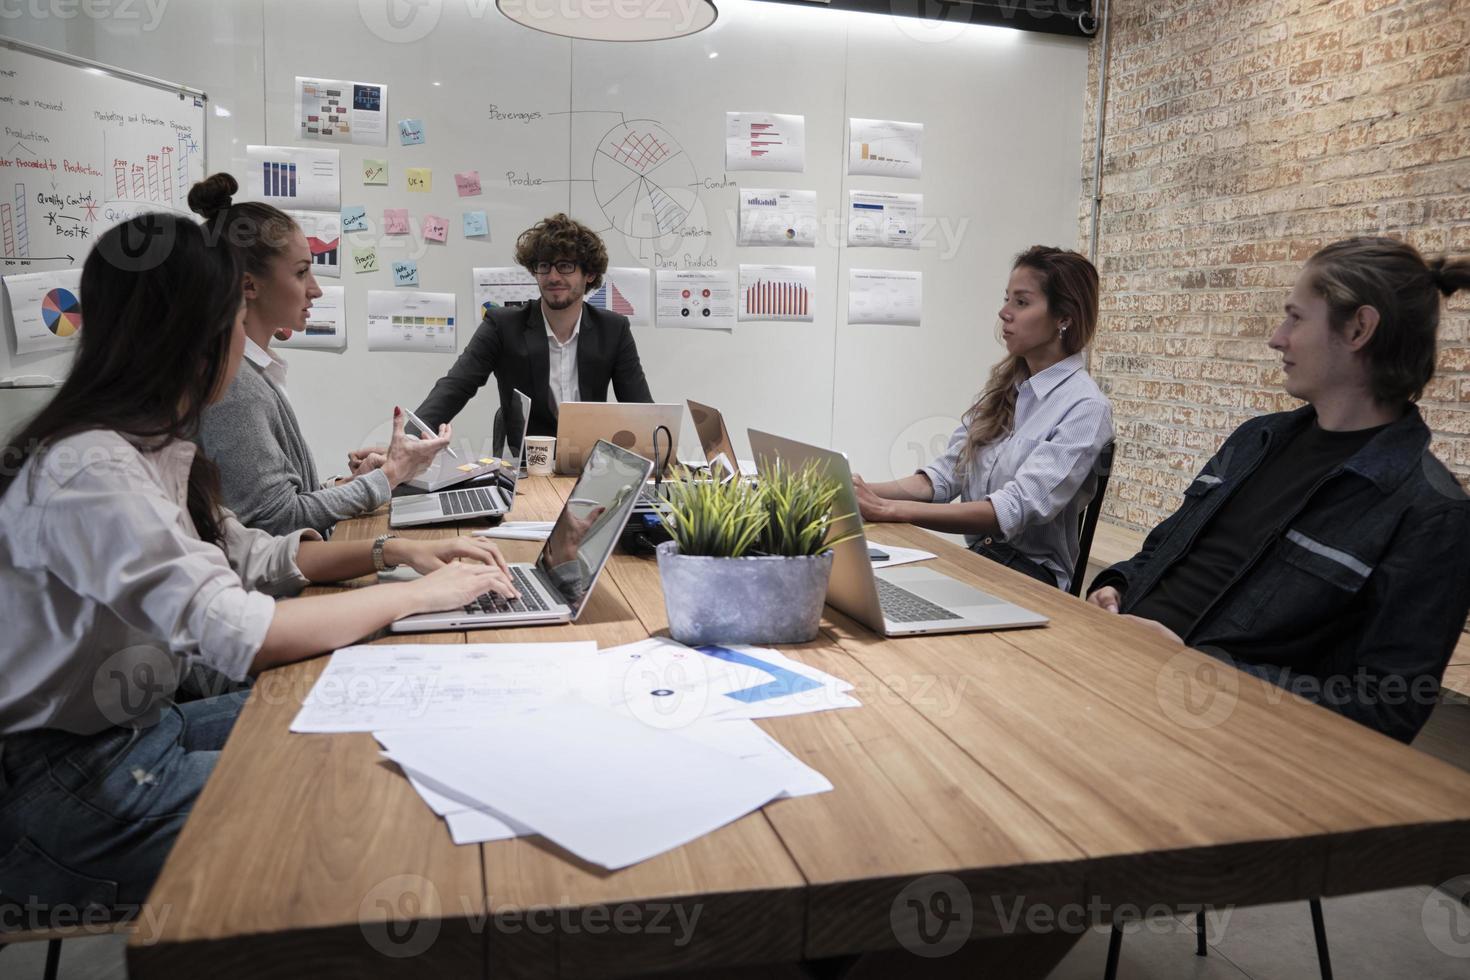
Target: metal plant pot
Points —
{"points": [[763, 599]]}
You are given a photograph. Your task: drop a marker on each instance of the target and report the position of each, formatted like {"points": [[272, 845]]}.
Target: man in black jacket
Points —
{"points": [[1326, 549], [558, 349]]}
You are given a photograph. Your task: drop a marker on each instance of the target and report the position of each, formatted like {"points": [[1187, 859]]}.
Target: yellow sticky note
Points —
{"points": [[375, 171], [420, 179], [365, 260]]}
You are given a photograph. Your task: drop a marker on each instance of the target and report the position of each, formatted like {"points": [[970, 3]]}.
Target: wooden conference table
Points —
{"points": [[1025, 784]]}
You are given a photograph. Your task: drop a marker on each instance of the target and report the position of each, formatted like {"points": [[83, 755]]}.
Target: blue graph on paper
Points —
{"points": [[783, 682]]}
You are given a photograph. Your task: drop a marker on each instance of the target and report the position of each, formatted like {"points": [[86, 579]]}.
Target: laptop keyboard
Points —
{"points": [[902, 606], [476, 500], [530, 600]]}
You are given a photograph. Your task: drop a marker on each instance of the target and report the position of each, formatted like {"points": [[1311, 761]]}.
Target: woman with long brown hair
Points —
{"points": [[120, 572], [1022, 462]]}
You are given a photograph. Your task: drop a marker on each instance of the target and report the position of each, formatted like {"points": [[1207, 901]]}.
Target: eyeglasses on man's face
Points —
{"points": [[564, 267]]}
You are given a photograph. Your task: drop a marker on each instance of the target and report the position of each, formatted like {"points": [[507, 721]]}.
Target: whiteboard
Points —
{"points": [[1002, 168], [86, 145]]}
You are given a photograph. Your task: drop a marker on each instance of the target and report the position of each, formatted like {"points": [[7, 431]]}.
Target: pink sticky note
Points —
{"points": [[468, 183], [395, 221], [435, 228]]}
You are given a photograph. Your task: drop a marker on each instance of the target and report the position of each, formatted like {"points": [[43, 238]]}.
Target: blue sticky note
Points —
{"points": [[476, 224], [354, 218], [406, 273], [410, 131]]}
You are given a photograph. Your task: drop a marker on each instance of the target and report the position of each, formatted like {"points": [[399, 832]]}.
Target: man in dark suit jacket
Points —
{"points": [[555, 350]]}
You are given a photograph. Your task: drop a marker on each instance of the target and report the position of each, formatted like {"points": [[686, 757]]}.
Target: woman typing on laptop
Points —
{"points": [[267, 476], [1022, 462], [120, 571]]}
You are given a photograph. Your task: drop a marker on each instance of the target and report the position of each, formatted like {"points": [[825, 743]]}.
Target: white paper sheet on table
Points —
{"points": [[372, 688], [604, 786], [517, 531], [901, 556], [668, 685]]}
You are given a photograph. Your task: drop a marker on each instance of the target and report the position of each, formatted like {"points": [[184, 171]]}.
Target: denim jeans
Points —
{"points": [[87, 820], [1004, 554]]}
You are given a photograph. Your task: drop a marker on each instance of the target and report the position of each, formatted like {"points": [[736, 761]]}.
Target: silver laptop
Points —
{"points": [[491, 496], [714, 439], [892, 601], [554, 588], [631, 425]]}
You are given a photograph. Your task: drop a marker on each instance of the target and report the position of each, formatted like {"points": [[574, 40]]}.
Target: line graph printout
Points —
{"points": [[765, 141]]}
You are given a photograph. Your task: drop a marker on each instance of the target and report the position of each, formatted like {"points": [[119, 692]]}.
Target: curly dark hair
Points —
{"points": [[559, 237]]}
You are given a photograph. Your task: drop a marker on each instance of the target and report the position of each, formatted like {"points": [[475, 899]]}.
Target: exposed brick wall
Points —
{"points": [[1240, 138]]}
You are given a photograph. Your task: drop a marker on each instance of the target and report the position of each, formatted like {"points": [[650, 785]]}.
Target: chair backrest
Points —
{"points": [[1089, 518]]}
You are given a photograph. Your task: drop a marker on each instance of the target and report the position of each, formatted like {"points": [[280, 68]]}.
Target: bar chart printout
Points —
{"points": [[765, 141], [777, 292], [884, 148]]}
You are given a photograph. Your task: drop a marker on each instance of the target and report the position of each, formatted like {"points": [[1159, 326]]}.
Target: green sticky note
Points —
{"points": [[365, 260], [375, 171]]}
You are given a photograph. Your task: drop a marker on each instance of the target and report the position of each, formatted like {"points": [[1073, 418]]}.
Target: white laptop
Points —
{"points": [[491, 496], [554, 588], [631, 425], [893, 601]]}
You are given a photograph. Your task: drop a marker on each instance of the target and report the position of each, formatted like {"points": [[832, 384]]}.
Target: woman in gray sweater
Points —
{"points": [[267, 474]]}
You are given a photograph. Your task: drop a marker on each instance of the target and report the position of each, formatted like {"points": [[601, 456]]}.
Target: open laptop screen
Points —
{"points": [[590, 523]]}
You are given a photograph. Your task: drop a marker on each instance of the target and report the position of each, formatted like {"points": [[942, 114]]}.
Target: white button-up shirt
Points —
{"points": [[269, 362], [1041, 476], [566, 386], [107, 593]]}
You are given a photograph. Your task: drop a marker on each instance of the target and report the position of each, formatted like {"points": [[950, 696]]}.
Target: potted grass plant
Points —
{"points": [[748, 563]]}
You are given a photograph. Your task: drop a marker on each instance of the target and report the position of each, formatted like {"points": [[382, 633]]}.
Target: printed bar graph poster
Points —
{"points": [[881, 148], [294, 178], [336, 111], [765, 141], [626, 291], [777, 292], [323, 231], [326, 323], [406, 319], [45, 308]]}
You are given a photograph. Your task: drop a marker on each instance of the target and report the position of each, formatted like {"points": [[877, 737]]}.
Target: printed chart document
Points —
{"points": [[777, 217], [45, 309], [883, 220], [884, 148], [341, 112], [626, 290], [387, 688], [777, 292], [884, 296], [606, 787], [497, 286], [323, 231], [407, 319], [326, 322], [668, 685], [294, 177], [703, 299], [765, 141]]}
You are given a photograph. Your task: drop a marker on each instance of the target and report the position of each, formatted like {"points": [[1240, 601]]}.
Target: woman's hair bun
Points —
{"points": [[212, 195], [1450, 274]]}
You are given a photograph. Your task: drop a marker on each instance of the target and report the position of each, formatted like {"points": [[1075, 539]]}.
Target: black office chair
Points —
{"points": [[1089, 518], [1319, 931]]}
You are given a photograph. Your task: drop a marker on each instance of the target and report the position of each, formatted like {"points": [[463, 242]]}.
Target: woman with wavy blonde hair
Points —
{"points": [[1021, 466]]}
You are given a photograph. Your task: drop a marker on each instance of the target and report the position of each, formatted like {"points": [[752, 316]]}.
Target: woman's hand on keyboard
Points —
{"points": [[454, 585], [426, 556]]}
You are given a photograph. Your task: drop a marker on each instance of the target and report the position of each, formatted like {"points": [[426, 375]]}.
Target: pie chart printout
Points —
{"points": [[62, 312]]}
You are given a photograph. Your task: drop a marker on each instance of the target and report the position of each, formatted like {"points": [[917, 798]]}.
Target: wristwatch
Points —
{"points": [[378, 543]]}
